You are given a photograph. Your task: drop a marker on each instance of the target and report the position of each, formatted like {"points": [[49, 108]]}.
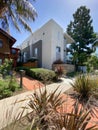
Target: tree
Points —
{"points": [[81, 30], [17, 12]]}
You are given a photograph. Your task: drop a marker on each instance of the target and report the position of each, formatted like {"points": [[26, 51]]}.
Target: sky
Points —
{"points": [[61, 11]]}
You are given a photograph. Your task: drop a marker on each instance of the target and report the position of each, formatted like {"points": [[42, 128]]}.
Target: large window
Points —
{"points": [[1, 43], [58, 53], [25, 56], [36, 52]]}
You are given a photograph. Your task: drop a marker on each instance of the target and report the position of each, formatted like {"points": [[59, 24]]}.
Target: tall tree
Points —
{"points": [[17, 12], [81, 30]]}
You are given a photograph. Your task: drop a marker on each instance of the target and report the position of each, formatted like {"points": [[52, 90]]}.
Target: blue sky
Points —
{"points": [[59, 10]]}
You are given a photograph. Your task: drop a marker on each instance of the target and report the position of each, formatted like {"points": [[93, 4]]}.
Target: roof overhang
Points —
{"points": [[17, 49], [68, 38], [12, 40]]}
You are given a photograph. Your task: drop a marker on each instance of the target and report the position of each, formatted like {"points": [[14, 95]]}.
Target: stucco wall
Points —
{"points": [[52, 36], [57, 41]]}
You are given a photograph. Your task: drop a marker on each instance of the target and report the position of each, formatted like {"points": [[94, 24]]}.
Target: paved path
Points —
{"points": [[8, 110], [30, 83]]}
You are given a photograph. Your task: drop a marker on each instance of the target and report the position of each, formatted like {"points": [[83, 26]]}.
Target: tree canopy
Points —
{"points": [[81, 30], [17, 12]]}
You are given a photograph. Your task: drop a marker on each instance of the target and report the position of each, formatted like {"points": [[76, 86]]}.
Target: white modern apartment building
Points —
{"points": [[47, 44]]}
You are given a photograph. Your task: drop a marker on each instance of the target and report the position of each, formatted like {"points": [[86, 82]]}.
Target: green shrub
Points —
{"points": [[6, 67], [41, 74], [4, 90], [7, 87], [13, 85], [5, 93]]}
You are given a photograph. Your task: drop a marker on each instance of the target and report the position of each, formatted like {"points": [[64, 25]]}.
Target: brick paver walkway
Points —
{"points": [[30, 83]]}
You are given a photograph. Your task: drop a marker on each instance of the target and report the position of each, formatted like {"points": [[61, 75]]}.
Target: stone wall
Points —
{"points": [[66, 67]]}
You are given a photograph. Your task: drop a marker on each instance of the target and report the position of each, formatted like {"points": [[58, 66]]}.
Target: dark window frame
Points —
{"points": [[13, 51], [58, 49]]}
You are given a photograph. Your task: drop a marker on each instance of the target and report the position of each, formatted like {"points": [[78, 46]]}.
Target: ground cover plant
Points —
{"points": [[8, 86], [6, 67], [8, 83]]}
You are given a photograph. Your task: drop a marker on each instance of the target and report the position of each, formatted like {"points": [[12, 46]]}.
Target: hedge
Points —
{"points": [[41, 74]]}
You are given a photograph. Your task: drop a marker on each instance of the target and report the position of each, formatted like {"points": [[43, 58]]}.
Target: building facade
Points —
{"points": [[47, 44], [6, 49]]}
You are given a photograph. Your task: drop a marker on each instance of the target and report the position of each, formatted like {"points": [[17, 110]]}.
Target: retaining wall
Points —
{"points": [[66, 67]]}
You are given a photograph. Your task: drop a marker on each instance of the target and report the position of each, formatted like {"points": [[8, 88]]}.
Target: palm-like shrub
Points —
{"points": [[77, 119], [44, 106], [84, 86], [86, 91]]}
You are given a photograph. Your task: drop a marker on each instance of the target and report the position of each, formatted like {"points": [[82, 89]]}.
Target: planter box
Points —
{"points": [[66, 67]]}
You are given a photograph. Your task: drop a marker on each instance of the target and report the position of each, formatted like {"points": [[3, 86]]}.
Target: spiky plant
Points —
{"points": [[43, 113], [77, 119], [44, 106], [84, 86], [86, 91]]}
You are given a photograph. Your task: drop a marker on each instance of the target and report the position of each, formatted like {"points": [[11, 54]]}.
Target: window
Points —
{"points": [[1, 43], [43, 33], [13, 51], [58, 49], [58, 53], [36, 52], [25, 56]]}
